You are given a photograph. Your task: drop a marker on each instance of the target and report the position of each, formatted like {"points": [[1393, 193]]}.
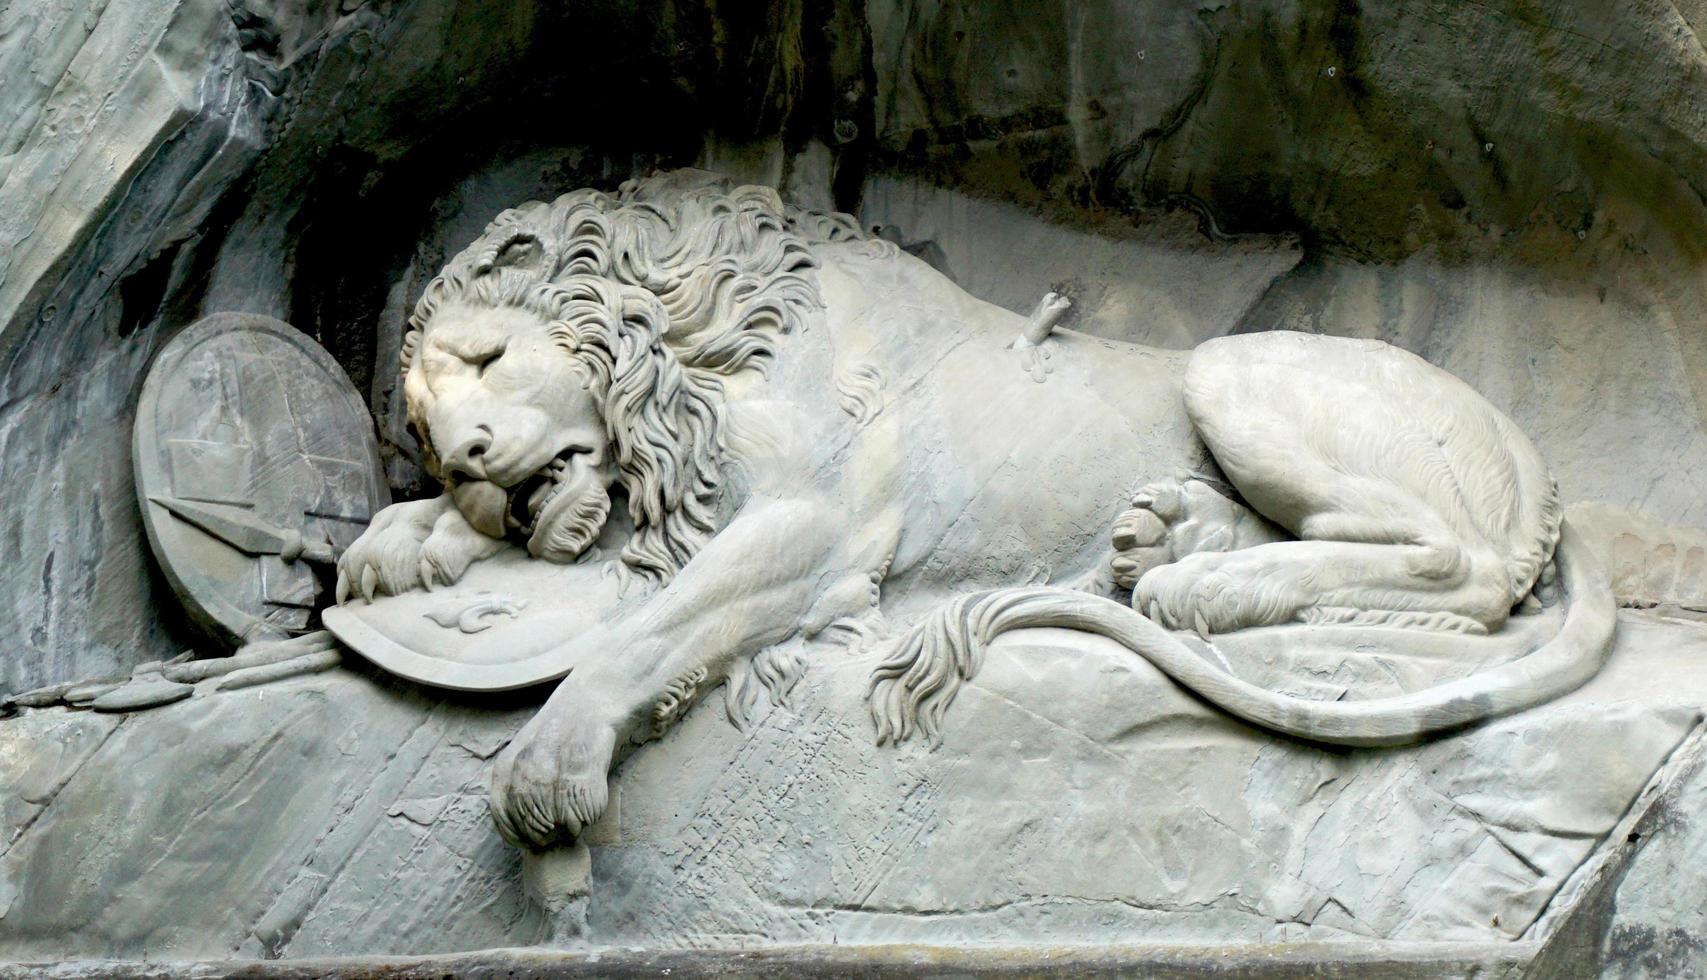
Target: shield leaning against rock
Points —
{"points": [[245, 422]]}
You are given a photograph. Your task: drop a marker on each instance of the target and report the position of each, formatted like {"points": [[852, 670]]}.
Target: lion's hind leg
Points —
{"points": [[1370, 554], [1353, 458], [1424, 584]]}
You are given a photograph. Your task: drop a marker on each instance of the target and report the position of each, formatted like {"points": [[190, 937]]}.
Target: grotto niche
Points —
{"points": [[909, 488]]}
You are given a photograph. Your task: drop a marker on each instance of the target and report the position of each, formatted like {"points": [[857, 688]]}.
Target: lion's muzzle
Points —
{"points": [[558, 511]]}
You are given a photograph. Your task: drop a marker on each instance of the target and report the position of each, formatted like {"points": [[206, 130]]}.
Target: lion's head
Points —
{"points": [[578, 348]]}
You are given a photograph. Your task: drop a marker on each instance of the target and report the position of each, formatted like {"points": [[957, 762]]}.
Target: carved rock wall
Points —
{"points": [[1077, 797], [1602, 364], [1513, 189], [1509, 188]]}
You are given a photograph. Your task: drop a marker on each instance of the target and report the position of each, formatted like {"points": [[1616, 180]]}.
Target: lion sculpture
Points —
{"points": [[796, 428]]}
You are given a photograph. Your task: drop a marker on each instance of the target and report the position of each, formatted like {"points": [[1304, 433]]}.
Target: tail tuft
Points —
{"points": [[912, 689]]}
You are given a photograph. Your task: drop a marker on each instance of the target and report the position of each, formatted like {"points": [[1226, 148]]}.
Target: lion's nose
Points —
{"points": [[467, 462]]}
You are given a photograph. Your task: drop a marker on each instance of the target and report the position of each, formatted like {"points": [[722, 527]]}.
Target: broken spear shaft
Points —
{"points": [[248, 533]]}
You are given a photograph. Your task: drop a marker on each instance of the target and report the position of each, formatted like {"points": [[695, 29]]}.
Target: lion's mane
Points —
{"points": [[658, 292]]}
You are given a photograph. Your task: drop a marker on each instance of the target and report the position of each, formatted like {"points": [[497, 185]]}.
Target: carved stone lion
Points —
{"points": [[794, 428]]}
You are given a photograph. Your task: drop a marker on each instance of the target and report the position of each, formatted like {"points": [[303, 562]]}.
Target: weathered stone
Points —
{"points": [[122, 225], [1509, 190], [82, 694], [310, 663], [1639, 917], [1315, 961], [41, 697], [559, 881], [1320, 118], [286, 810], [333, 815], [144, 692]]}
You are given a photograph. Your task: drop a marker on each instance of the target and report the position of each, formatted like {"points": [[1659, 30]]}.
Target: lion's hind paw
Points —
{"points": [[1218, 592], [1170, 519]]}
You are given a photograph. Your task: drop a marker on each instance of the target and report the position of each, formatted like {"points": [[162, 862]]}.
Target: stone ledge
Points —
{"points": [[1391, 961], [341, 814]]}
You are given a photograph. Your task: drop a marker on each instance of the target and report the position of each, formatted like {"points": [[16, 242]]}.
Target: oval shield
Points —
{"points": [[253, 454], [508, 623]]}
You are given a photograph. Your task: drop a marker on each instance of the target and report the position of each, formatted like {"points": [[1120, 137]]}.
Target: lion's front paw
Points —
{"points": [[387, 557], [451, 548], [550, 782]]}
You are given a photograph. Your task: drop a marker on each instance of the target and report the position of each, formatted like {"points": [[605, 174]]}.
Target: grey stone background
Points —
{"points": [[1514, 189]]}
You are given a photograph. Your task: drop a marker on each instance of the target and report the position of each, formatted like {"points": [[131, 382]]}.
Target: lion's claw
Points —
{"points": [[412, 545], [551, 781], [386, 558]]}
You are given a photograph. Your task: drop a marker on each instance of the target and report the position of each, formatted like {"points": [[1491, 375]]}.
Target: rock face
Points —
{"points": [[1510, 189], [1652, 928], [294, 784], [1381, 128], [342, 814], [1505, 188]]}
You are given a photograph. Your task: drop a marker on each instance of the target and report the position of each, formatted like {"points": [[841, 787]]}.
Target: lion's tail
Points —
{"points": [[912, 689]]}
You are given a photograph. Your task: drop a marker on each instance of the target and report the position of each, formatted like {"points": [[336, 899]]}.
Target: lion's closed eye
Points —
{"points": [[485, 359], [477, 353]]}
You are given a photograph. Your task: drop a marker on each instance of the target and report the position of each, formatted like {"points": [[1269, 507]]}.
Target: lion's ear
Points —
{"points": [[522, 252]]}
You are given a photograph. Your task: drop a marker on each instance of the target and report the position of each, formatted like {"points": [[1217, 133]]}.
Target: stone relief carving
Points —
{"points": [[255, 461], [766, 427], [1499, 203], [255, 465]]}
